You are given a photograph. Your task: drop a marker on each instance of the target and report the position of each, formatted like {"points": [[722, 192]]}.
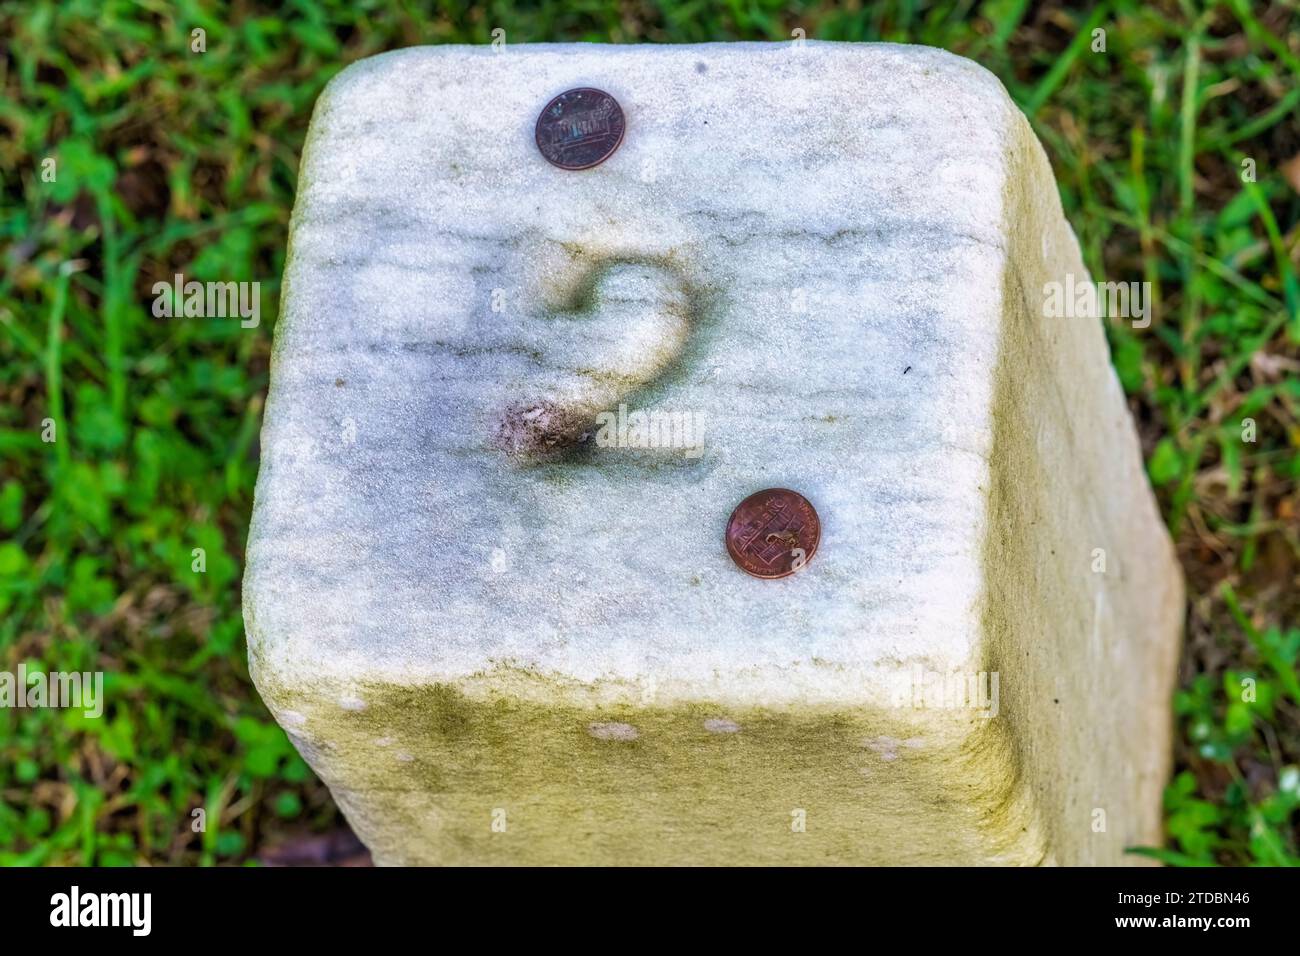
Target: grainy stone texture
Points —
{"points": [[471, 615]]}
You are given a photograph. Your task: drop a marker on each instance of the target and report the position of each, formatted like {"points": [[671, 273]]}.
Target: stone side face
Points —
{"points": [[500, 661], [422, 772], [1088, 658]]}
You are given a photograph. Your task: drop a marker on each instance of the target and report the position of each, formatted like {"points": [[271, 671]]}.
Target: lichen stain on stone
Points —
{"points": [[503, 747]]}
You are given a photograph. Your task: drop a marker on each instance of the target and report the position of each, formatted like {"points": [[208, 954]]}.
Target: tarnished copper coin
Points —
{"points": [[580, 128], [773, 533]]}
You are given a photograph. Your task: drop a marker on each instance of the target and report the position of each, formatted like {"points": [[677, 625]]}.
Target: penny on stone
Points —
{"points": [[580, 128], [773, 533]]}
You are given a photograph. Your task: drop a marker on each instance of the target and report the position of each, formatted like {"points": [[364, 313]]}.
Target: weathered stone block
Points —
{"points": [[499, 640]]}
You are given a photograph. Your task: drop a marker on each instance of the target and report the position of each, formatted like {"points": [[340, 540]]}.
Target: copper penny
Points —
{"points": [[773, 533], [580, 128]]}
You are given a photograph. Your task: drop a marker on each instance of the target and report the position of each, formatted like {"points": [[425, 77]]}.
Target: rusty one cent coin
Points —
{"points": [[773, 533], [580, 128]]}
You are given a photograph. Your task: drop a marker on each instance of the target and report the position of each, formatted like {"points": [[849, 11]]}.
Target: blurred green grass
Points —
{"points": [[174, 161]]}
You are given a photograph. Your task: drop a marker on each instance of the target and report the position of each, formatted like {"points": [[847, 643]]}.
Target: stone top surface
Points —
{"points": [[801, 247]]}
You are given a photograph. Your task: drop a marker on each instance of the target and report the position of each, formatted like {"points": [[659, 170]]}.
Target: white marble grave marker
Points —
{"points": [[498, 639]]}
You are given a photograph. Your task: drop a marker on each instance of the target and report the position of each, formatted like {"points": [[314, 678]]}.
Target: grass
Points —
{"points": [[168, 161]]}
